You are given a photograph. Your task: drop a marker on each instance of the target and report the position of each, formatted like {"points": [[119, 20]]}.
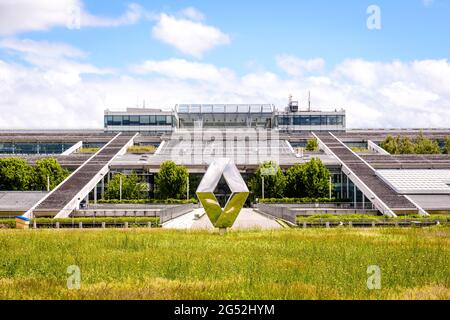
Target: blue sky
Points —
{"points": [[262, 29], [167, 52]]}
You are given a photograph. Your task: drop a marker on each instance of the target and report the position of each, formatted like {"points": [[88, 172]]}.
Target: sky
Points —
{"points": [[63, 62]]}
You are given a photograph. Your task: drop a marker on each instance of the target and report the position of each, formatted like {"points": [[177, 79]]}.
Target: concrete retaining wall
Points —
{"points": [[164, 212], [289, 212]]}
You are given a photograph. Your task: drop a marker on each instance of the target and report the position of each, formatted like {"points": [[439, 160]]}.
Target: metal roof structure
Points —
{"points": [[225, 108], [417, 181]]}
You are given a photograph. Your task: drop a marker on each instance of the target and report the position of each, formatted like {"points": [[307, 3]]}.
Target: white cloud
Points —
{"points": [[18, 16], [193, 14], [41, 48], [190, 37], [296, 67], [58, 61], [183, 70], [132, 15], [427, 3], [58, 95]]}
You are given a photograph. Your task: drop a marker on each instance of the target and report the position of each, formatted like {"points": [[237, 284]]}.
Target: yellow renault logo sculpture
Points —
{"points": [[222, 218]]}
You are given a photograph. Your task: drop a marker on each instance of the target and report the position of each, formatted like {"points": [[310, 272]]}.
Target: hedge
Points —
{"points": [[367, 217], [154, 220], [148, 201], [7, 223], [297, 200]]}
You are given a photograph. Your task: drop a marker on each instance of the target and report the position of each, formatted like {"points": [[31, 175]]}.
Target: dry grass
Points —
{"points": [[169, 264]]}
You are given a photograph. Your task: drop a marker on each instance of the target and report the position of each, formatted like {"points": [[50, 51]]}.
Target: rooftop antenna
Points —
{"points": [[309, 100]]}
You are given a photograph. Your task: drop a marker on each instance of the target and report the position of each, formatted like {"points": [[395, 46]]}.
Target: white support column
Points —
{"points": [[95, 194], [103, 187], [354, 195], [348, 188]]}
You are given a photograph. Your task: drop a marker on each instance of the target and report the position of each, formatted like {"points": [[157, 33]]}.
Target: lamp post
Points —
{"points": [[329, 187], [120, 188], [187, 187], [262, 186]]}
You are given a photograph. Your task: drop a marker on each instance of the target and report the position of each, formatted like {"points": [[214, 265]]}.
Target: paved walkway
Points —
{"points": [[185, 221], [247, 219]]}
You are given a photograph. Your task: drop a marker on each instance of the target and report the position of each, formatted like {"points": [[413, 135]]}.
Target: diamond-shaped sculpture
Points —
{"points": [[222, 218]]}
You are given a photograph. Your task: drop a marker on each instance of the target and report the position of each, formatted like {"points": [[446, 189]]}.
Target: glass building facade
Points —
{"points": [[33, 148], [222, 116], [139, 120], [311, 120]]}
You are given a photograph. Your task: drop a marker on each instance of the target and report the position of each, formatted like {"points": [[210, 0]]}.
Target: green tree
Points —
{"points": [[316, 179], [295, 188], [390, 144], [44, 168], [15, 174], [274, 181], [133, 188], [405, 146], [423, 145], [171, 181], [312, 145], [446, 145]]}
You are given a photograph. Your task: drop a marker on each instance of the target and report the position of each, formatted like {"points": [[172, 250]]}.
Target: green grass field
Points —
{"points": [[282, 264]]}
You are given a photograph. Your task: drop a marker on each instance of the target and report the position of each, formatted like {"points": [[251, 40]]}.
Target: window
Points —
{"points": [[284, 121], [160, 120], [332, 120], [134, 120], [315, 120], [323, 120], [144, 120], [152, 120], [109, 120], [297, 120], [168, 120], [117, 121], [207, 108], [305, 120], [126, 120]]}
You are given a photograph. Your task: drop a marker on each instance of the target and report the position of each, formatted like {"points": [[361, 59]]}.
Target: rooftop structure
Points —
{"points": [[224, 116]]}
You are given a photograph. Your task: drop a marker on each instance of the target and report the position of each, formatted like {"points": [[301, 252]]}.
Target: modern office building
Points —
{"points": [[194, 134], [185, 116]]}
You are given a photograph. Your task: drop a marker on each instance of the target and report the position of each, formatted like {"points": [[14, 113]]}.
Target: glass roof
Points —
{"points": [[225, 108]]}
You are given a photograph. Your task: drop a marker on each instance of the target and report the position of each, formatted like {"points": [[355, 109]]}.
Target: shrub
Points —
{"points": [[88, 150], [404, 145], [141, 149], [312, 145]]}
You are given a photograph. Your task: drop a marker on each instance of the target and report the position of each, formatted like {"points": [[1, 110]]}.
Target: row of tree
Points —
{"points": [[418, 145], [17, 175], [310, 179], [171, 183]]}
